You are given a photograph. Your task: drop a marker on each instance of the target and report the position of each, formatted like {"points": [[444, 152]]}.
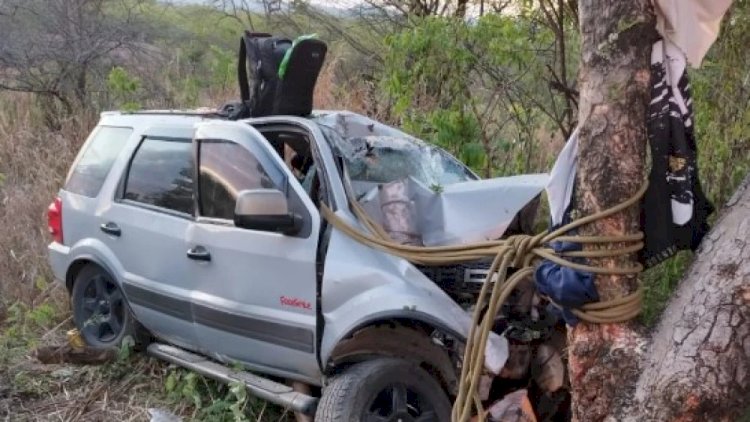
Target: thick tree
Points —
{"points": [[616, 38], [695, 366]]}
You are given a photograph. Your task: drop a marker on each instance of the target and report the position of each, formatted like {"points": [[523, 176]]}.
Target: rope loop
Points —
{"points": [[518, 252]]}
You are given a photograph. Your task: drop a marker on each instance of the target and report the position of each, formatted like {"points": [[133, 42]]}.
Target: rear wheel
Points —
{"points": [[384, 390], [100, 310]]}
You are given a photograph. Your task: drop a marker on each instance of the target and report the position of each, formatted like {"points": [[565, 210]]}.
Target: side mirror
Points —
{"points": [[266, 210]]}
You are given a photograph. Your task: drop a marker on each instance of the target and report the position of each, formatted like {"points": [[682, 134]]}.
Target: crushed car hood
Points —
{"points": [[464, 212]]}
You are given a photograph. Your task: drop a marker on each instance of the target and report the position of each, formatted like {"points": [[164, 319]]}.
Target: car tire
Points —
{"points": [[101, 312], [383, 390]]}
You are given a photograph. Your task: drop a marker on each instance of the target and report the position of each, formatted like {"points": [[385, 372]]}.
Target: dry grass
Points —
{"points": [[353, 95], [33, 309], [33, 163]]}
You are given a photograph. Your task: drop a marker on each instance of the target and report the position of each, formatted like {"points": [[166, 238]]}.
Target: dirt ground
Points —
{"points": [[128, 387]]}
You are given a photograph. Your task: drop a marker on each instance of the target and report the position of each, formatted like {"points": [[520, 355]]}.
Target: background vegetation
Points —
{"points": [[494, 82]]}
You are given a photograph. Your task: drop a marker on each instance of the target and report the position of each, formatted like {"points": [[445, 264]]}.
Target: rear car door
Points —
{"points": [[146, 226], [255, 298]]}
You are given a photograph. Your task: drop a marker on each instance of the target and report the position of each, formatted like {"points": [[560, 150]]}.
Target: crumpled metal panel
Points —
{"points": [[464, 212], [362, 285]]}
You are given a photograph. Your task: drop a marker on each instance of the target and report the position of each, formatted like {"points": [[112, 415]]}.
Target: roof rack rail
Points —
{"points": [[208, 113]]}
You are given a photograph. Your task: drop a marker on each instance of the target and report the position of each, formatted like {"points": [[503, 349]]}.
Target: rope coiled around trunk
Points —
{"points": [[518, 252]]}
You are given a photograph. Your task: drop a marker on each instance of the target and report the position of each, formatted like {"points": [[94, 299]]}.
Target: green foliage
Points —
{"points": [[471, 87], [659, 282], [745, 415], [23, 327], [214, 401], [43, 315], [223, 65], [722, 106], [126, 349], [123, 87], [480, 89], [422, 77]]}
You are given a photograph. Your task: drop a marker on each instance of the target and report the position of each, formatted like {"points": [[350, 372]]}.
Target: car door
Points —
{"points": [[255, 298], [146, 227]]}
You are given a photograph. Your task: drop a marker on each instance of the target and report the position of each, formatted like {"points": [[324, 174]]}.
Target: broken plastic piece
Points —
{"points": [[514, 407], [496, 353]]}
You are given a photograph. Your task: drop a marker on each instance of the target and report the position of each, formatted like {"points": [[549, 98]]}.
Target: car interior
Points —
{"points": [[293, 146]]}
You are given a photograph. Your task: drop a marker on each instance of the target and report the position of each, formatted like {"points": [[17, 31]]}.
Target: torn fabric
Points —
{"points": [[562, 178], [681, 221], [567, 287], [692, 25]]}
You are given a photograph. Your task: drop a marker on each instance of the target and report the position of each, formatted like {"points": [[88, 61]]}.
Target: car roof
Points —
{"points": [[145, 119], [189, 117]]}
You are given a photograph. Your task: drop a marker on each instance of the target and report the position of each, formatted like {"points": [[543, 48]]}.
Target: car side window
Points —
{"points": [[91, 169], [161, 174], [224, 169]]}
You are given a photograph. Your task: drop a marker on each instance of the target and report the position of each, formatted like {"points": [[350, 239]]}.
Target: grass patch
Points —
{"points": [[124, 389], [214, 401], [659, 283]]}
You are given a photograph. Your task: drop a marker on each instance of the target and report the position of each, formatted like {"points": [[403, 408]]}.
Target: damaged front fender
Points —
{"points": [[362, 286]]}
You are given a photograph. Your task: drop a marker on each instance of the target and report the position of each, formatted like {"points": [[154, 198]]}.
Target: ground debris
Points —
{"points": [[161, 415], [517, 365], [533, 382], [514, 407], [68, 354], [548, 369]]}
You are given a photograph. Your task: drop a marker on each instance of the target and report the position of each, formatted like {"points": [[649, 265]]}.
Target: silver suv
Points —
{"points": [[200, 238]]}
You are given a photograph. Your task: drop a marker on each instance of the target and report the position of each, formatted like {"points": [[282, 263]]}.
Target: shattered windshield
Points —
{"points": [[376, 153], [386, 159]]}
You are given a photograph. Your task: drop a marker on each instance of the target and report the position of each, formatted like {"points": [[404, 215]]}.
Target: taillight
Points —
{"points": [[54, 220]]}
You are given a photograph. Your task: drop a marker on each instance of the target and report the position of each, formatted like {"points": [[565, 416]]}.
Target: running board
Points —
{"points": [[263, 388]]}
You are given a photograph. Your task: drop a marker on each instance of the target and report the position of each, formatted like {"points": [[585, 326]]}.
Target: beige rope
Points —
{"points": [[516, 252]]}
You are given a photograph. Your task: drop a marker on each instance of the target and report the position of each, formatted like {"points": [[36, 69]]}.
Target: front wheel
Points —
{"points": [[384, 390]]}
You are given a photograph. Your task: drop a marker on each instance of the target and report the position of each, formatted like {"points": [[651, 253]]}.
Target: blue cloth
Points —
{"points": [[567, 287]]}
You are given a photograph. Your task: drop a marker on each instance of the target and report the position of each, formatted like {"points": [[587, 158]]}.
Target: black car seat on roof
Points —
{"points": [[276, 75], [298, 74]]}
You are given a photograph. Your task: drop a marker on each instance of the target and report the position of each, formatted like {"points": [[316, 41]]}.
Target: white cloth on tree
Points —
{"points": [[561, 180], [692, 25]]}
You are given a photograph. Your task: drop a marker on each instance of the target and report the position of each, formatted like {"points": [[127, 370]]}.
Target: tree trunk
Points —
{"points": [[698, 366], [461, 8], [614, 80]]}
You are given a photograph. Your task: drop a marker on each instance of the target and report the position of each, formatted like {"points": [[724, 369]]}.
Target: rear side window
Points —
{"points": [[226, 169], [161, 174], [92, 167]]}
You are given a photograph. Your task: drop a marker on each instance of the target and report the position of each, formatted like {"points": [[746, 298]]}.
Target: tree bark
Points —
{"points": [[698, 366], [616, 38], [461, 8]]}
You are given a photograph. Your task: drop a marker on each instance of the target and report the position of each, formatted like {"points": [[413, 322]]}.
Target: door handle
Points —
{"points": [[111, 229], [199, 253]]}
